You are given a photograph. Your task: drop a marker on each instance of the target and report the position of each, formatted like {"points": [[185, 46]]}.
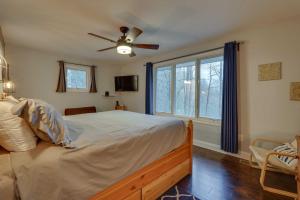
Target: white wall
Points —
{"points": [[2, 47], [264, 107], [35, 74]]}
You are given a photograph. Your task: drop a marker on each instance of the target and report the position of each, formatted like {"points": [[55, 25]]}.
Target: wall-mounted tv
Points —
{"points": [[126, 83]]}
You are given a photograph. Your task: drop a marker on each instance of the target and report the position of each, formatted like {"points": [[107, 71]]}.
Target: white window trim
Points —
{"points": [[88, 77], [197, 59]]}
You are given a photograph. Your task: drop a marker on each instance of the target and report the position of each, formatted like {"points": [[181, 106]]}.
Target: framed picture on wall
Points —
{"points": [[268, 72], [295, 91]]}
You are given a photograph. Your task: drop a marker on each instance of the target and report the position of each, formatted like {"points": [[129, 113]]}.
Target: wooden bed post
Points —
{"points": [[190, 130]]}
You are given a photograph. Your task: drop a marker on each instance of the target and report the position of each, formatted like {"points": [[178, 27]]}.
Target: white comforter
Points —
{"points": [[7, 183], [109, 146]]}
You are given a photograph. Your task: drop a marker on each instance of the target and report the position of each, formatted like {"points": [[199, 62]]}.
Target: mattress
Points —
{"points": [[7, 183], [108, 146]]}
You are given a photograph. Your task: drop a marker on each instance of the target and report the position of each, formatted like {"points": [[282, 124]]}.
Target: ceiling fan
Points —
{"points": [[124, 44]]}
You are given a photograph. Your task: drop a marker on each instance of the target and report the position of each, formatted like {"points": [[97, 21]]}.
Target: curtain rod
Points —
{"points": [[77, 63], [193, 54]]}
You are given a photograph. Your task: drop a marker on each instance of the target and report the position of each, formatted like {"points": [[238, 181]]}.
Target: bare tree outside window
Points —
{"points": [[76, 79], [163, 89], [211, 81], [184, 97], [185, 89]]}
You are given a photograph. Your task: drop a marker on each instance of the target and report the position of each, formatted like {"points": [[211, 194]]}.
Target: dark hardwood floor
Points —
{"points": [[221, 177]]}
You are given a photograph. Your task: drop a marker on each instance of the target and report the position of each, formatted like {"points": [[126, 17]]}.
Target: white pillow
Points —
{"points": [[46, 122], [15, 134]]}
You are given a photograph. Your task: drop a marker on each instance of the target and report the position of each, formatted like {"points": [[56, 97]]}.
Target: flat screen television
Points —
{"points": [[126, 83]]}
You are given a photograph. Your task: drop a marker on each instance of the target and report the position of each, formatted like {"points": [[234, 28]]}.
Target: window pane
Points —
{"points": [[76, 79], [185, 89], [211, 78], [163, 89]]}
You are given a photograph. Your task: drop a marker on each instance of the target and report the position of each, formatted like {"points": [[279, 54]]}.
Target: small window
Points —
{"points": [[77, 78]]}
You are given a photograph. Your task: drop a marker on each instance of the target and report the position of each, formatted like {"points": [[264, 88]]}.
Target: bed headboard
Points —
{"points": [[82, 110]]}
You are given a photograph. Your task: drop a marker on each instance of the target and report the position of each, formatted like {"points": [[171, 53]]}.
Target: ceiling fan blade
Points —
{"points": [[106, 49], [146, 46], [104, 38], [132, 54], [133, 34]]}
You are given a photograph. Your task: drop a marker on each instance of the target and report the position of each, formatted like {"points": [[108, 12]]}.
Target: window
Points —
{"points": [[185, 89], [163, 89], [211, 81], [191, 89], [77, 78]]}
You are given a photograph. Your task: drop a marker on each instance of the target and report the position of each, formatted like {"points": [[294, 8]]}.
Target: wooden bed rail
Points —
{"points": [[153, 180]]}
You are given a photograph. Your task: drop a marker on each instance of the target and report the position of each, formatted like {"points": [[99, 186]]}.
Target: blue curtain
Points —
{"points": [[229, 128], [149, 88]]}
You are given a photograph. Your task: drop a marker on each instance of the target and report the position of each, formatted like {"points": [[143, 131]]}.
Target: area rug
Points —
{"points": [[176, 193]]}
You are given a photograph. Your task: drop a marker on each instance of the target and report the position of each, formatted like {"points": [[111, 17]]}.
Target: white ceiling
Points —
{"points": [[61, 26]]}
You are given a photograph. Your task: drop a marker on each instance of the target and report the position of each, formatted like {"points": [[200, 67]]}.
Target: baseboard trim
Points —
{"points": [[215, 147]]}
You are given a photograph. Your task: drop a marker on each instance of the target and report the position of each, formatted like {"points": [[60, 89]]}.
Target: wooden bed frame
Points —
{"points": [[153, 180], [82, 110]]}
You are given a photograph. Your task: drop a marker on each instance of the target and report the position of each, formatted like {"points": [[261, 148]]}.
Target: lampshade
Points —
{"points": [[8, 87], [124, 49]]}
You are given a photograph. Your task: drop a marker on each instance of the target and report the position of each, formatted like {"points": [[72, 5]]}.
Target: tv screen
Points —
{"points": [[126, 83]]}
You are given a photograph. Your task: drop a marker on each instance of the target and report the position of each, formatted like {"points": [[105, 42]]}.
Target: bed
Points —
{"points": [[118, 155], [7, 187]]}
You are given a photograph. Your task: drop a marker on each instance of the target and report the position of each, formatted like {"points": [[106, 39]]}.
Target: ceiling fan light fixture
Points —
{"points": [[124, 44], [124, 49]]}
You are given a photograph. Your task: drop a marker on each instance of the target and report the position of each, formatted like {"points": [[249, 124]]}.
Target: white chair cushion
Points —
{"points": [[260, 155], [294, 143], [287, 149]]}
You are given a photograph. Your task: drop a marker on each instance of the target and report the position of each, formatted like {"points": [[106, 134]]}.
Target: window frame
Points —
{"points": [[197, 59], [78, 68]]}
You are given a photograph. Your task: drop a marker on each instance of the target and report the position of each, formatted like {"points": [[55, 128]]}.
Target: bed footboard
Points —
{"points": [[153, 180]]}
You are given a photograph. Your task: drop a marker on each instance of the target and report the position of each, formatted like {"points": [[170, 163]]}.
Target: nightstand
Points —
{"points": [[120, 108]]}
